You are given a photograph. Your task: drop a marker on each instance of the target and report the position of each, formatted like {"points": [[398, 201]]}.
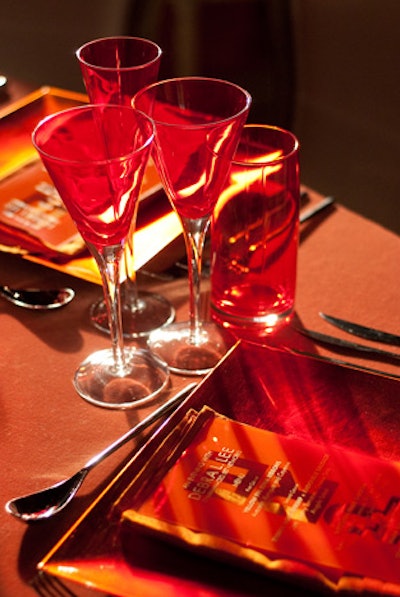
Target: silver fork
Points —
{"points": [[47, 586]]}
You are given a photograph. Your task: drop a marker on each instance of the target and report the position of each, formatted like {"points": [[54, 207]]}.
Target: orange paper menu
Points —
{"points": [[318, 511], [30, 204]]}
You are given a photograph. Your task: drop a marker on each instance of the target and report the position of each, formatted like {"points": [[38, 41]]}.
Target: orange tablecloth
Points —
{"points": [[348, 266]]}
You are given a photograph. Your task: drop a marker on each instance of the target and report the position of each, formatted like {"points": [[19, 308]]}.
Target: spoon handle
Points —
{"points": [[131, 433], [313, 211]]}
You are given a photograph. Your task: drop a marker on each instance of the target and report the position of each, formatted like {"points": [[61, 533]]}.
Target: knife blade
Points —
{"points": [[339, 342], [362, 331], [338, 361]]}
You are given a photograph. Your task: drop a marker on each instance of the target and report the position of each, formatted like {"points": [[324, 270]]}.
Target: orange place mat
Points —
{"points": [[275, 501], [295, 480]]}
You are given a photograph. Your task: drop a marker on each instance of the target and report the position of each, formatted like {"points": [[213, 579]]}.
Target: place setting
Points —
{"points": [[251, 467]]}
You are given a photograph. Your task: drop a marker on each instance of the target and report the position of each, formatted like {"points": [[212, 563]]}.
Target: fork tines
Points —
{"points": [[47, 586]]}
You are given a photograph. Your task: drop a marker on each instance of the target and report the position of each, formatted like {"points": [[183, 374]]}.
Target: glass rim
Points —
{"points": [[87, 108], [148, 42], [277, 160], [176, 80]]}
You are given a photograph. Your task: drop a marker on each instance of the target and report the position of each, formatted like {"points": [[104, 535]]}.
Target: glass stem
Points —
{"points": [[130, 288], [109, 261], [194, 235]]}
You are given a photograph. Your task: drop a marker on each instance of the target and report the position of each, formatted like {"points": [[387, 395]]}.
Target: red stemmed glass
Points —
{"points": [[197, 123], [96, 156], [113, 70]]}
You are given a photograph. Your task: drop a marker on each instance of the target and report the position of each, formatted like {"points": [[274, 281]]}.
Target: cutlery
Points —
{"points": [[51, 500], [362, 331], [313, 211], [333, 341], [3, 87], [31, 298], [46, 586], [336, 361]]}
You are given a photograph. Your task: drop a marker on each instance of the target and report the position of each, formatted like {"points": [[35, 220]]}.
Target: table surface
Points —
{"points": [[348, 266]]}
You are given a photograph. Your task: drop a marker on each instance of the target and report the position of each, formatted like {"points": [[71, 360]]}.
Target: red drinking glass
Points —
{"points": [[197, 122], [96, 156], [114, 69], [255, 228]]}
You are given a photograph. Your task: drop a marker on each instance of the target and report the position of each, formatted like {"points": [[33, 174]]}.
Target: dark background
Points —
{"points": [[327, 70]]}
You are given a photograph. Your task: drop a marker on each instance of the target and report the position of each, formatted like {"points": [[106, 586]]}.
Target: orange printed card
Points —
{"points": [[279, 502], [29, 203]]}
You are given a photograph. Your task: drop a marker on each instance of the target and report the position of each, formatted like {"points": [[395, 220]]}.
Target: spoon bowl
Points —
{"points": [[47, 502], [33, 298]]}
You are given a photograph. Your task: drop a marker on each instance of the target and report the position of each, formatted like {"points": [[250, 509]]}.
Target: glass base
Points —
{"points": [[152, 312], [184, 356], [99, 382], [252, 328]]}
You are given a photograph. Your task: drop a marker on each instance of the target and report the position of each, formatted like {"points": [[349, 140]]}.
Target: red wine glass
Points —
{"points": [[113, 70], [96, 156], [197, 123]]}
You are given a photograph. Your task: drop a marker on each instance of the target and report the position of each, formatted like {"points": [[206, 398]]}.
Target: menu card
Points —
{"points": [[30, 203], [319, 512], [33, 215]]}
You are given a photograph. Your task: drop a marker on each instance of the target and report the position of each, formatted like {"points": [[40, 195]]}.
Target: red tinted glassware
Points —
{"points": [[255, 228], [197, 128], [96, 156], [114, 69]]}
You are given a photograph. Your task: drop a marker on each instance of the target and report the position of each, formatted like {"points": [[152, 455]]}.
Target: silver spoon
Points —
{"points": [[32, 298], [47, 502], [316, 209]]}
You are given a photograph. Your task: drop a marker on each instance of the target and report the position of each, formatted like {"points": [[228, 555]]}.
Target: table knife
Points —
{"points": [[339, 361], [362, 331], [333, 341]]}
